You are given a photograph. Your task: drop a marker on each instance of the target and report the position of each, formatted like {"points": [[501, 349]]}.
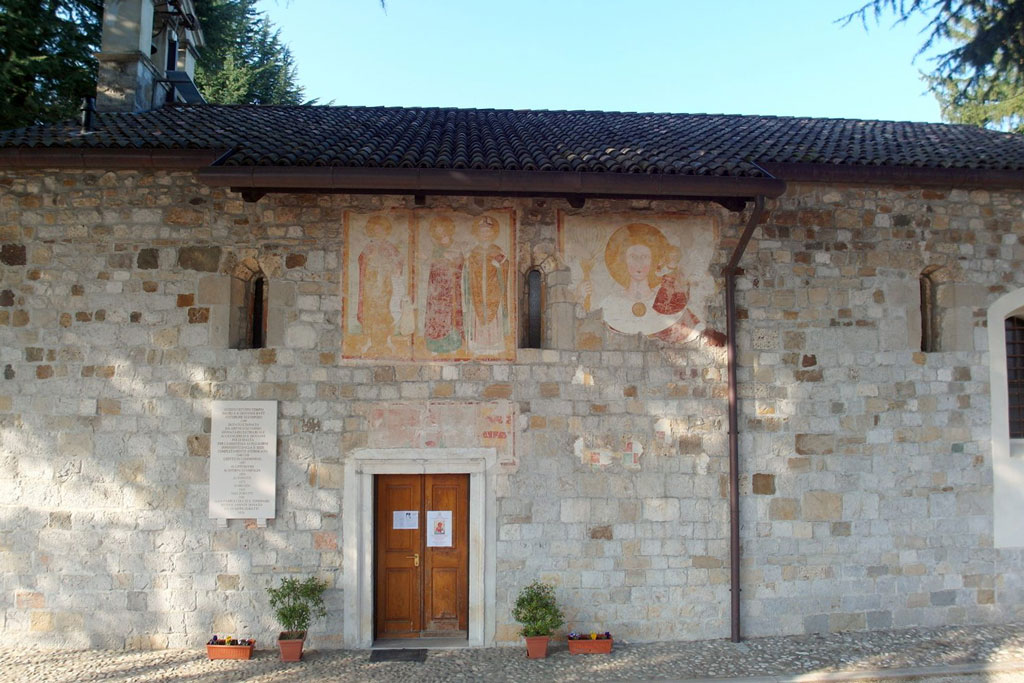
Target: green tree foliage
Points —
{"points": [[995, 102], [980, 80], [47, 64], [244, 61], [46, 58]]}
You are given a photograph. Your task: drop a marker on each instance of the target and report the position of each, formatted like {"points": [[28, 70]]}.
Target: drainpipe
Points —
{"points": [[734, 458]]}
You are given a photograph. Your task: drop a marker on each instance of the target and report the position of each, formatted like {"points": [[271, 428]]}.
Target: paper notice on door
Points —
{"points": [[405, 519], [439, 528]]}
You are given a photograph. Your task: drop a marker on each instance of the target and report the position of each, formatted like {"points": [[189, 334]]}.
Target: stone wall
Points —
{"points": [[866, 475]]}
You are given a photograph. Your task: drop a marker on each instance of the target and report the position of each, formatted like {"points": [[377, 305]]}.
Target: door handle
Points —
{"points": [[415, 559]]}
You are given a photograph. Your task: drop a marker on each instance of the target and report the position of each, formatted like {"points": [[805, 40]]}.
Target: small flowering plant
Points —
{"points": [[593, 635], [230, 640]]}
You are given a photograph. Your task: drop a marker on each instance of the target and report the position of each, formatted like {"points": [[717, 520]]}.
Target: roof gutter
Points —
{"points": [[106, 158], [485, 182], [897, 175]]}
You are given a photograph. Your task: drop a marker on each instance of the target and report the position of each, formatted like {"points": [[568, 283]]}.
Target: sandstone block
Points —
{"points": [[783, 509], [227, 582], [822, 506], [815, 444], [764, 484], [204, 259]]}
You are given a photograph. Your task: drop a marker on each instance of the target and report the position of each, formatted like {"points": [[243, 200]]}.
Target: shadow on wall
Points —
{"points": [[108, 538]]}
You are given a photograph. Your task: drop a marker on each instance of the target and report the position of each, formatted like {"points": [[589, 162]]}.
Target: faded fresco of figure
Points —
{"points": [[633, 256], [642, 282], [486, 289], [442, 324], [379, 263]]}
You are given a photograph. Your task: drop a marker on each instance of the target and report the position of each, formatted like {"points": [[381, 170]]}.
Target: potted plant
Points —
{"points": [[590, 643], [296, 603], [537, 610], [230, 648]]}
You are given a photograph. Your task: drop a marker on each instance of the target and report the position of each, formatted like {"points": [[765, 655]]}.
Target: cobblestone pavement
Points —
{"points": [[977, 653]]}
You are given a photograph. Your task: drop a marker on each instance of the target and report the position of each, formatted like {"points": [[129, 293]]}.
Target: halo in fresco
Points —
{"points": [[646, 273], [429, 285]]}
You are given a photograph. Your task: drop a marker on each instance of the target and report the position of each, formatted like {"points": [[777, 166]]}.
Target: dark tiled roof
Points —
{"points": [[395, 137]]}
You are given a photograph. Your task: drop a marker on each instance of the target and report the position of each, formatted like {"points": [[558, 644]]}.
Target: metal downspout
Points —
{"points": [[734, 458]]}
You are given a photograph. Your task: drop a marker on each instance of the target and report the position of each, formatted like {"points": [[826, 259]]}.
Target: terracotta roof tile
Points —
{"points": [[584, 141]]}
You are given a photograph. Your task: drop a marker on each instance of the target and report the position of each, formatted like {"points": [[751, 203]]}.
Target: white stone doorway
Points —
{"points": [[358, 532]]}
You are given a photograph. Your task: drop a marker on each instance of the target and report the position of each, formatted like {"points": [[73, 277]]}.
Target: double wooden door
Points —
{"points": [[421, 555]]}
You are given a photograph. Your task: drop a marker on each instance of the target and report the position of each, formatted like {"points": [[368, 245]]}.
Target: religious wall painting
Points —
{"points": [[458, 286], [466, 279], [646, 273], [445, 424], [377, 296]]}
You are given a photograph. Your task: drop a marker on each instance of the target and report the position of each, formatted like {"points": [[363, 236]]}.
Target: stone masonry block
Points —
{"points": [[764, 484], [810, 444], [822, 506], [661, 509], [205, 259], [575, 510]]}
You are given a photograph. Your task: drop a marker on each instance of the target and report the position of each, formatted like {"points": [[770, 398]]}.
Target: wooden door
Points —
{"points": [[421, 583]]}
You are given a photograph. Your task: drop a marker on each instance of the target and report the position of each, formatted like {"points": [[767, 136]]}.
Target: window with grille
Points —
{"points": [[1015, 374]]}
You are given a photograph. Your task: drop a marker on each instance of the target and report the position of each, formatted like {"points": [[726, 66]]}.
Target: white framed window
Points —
{"points": [[1006, 387]]}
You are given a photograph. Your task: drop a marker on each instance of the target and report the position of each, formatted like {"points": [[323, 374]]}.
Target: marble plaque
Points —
{"points": [[243, 460]]}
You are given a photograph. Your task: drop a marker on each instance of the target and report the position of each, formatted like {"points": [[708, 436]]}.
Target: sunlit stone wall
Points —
{"points": [[865, 476]]}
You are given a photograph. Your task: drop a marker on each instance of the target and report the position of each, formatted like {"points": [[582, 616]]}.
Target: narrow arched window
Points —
{"points": [[534, 300], [258, 313], [1014, 330], [250, 292], [929, 310]]}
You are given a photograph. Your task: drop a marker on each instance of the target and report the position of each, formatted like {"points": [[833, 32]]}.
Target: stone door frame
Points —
{"points": [[358, 532]]}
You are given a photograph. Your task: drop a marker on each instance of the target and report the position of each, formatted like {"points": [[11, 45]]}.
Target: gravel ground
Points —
{"points": [[897, 654]]}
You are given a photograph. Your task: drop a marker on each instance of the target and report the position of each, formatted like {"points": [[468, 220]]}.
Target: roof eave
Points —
{"points": [[897, 175], [486, 182], [106, 158]]}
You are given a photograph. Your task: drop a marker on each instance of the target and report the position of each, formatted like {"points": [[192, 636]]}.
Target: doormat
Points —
{"points": [[402, 655]]}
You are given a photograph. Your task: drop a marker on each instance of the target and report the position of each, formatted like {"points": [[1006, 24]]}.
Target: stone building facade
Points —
{"points": [[866, 470]]}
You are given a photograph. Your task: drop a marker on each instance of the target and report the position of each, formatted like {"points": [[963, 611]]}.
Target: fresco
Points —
{"points": [[378, 297], [441, 424], [429, 285], [646, 273]]}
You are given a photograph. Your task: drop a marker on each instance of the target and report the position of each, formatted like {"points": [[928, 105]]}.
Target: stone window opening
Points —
{"points": [[532, 333], [250, 291], [929, 309], [1014, 331]]}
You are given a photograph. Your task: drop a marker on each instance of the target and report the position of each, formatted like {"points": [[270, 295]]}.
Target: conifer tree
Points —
{"points": [[46, 58], [47, 62], [980, 80]]}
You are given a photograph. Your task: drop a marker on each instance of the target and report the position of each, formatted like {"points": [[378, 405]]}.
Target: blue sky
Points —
{"points": [[782, 57]]}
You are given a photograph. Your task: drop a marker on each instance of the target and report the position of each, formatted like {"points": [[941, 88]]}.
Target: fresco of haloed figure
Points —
{"points": [[378, 300], [646, 276], [486, 290], [443, 331], [429, 285]]}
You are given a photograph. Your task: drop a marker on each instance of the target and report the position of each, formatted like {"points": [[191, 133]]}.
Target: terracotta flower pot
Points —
{"points": [[230, 651], [587, 646], [537, 647], [291, 648]]}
